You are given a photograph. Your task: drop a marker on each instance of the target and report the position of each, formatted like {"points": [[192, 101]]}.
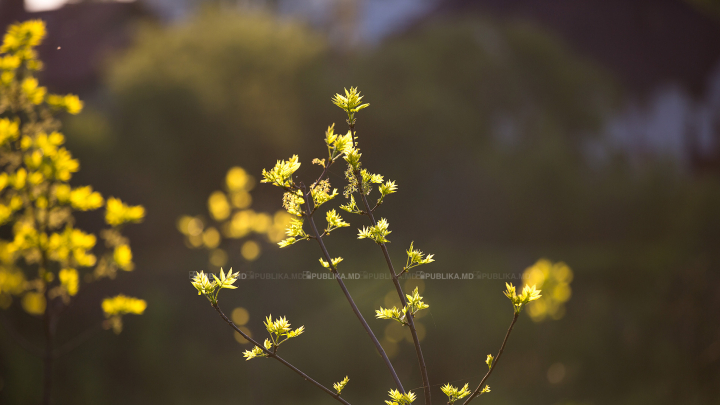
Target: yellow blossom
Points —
{"points": [[118, 213], [123, 257], [121, 304], [69, 279], [85, 199]]}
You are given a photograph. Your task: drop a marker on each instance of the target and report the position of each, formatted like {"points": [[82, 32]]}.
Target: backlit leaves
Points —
{"points": [[295, 232], [334, 221], [398, 398], [416, 258], [338, 386], [453, 393], [528, 294], [321, 193], [351, 207], [376, 233], [334, 261], [414, 305], [350, 103], [281, 174], [211, 289]]}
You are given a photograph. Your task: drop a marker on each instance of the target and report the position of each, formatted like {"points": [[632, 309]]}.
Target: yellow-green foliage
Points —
{"points": [[398, 398], [340, 385], [519, 301], [211, 289], [453, 393], [414, 304], [48, 258], [301, 203]]}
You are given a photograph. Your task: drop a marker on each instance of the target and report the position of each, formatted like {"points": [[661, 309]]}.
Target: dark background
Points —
{"points": [[579, 131]]}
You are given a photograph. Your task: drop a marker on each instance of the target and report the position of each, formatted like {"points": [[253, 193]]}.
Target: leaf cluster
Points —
{"points": [[211, 289], [453, 393], [280, 332], [528, 294], [377, 232], [351, 102], [414, 305], [398, 398], [416, 258]]}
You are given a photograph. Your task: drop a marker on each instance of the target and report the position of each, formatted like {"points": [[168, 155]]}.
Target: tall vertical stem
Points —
{"points": [[49, 317], [318, 238], [49, 326], [403, 301]]}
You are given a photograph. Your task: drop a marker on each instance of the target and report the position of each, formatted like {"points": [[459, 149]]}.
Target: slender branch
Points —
{"points": [[20, 339], [345, 291], [78, 340], [48, 323], [411, 322], [49, 317], [278, 358], [324, 172], [478, 390]]}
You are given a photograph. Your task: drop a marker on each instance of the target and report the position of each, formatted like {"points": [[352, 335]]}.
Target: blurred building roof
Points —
{"points": [[646, 43], [79, 38]]}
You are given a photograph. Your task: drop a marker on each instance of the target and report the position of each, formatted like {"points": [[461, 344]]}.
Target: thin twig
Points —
{"points": [[78, 340], [48, 323], [278, 358], [324, 172], [50, 318], [345, 291], [478, 390], [20, 339]]}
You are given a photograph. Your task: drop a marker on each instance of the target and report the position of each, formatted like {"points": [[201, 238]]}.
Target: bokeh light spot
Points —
{"points": [[240, 316], [250, 250], [218, 257]]}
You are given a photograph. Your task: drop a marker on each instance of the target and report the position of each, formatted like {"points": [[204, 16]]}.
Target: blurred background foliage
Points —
{"points": [[490, 128]]}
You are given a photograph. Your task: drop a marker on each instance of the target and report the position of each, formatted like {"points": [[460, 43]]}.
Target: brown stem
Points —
{"points": [[49, 317], [494, 363], [278, 358], [324, 172], [48, 324], [78, 340], [20, 339], [345, 291], [403, 301]]}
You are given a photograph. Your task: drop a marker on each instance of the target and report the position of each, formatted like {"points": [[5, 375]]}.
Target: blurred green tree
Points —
{"points": [[187, 89]]}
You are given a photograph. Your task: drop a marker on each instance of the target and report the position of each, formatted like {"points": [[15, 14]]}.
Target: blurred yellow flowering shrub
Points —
{"points": [[47, 261], [232, 218]]}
